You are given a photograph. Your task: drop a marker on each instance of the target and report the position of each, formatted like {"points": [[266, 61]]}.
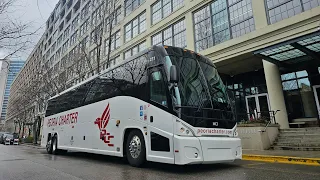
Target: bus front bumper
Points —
{"points": [[206, 150]]}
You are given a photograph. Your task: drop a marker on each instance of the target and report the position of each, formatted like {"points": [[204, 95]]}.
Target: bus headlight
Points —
{"points": [[183, 130]]}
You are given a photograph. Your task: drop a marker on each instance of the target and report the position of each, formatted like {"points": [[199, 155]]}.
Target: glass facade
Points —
{"points": [[241, 86], [222, 20], [299, 95], [283, 9], [13, 70]]}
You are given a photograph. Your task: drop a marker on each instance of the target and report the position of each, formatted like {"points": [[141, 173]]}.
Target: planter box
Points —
{"points": [[253, 137]]}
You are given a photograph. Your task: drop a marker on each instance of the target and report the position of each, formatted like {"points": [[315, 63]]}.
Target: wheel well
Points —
{"points": [[126, 134], [50, 135]]}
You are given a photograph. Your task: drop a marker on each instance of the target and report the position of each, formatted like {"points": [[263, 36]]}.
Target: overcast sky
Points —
{"points": [[34, 11]]}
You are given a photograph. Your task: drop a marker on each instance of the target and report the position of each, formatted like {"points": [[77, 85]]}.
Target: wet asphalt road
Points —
{"points": [[26, 163]]}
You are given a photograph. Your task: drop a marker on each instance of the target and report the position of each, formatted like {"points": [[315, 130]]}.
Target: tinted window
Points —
{"points": [[157, 88], [69, 100], [126, 80]]}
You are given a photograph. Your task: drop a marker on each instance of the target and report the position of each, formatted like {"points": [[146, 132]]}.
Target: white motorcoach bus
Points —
{"points": [[165, 104]]}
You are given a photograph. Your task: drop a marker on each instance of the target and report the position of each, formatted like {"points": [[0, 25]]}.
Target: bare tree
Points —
{"points": [[106, 15], [14, 35]]}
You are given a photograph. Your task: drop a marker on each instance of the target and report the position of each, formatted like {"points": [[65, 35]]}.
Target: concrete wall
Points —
{"points": [[253, 138]]}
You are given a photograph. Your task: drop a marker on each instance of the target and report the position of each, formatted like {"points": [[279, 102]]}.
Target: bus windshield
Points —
{"points": [[199, 84], [200, 97]]}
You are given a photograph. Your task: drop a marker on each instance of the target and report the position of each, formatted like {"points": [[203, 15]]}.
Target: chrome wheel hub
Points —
{"points": [[135, 147], [48, 145]]}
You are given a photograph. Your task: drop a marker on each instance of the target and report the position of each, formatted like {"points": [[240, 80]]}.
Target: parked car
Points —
{"points": [[11, 139], [15, 139], [2, 135], [8, 139]]}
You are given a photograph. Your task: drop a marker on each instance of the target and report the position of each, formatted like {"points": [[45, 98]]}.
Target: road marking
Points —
{"points": [[283, 159]]}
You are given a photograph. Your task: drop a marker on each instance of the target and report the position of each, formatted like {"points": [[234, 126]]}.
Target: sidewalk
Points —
{"points": [[280, 156]]}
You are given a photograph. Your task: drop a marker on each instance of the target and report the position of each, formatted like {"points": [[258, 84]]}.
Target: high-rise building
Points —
{"points": [[9, 70], [267, 51]]}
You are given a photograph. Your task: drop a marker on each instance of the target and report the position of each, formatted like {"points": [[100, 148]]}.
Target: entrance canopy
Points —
{"points": [[295, 53]]}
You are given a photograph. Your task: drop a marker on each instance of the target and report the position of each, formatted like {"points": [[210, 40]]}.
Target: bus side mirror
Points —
{"points": [[173, 74]]}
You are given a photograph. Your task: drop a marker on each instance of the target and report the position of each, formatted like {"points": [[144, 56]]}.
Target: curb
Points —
{"points": [[282, 159]]}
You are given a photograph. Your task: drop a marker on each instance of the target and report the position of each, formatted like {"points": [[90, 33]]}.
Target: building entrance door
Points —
{"points": [[258, 106], [316, 91]]}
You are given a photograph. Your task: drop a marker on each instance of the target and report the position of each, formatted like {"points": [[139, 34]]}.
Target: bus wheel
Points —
{"points": [[49, 146], [135, 149], [54, 145], [55, 149]]}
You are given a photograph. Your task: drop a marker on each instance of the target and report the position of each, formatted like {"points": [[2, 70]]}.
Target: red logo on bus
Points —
{"points": [[102, 123]]}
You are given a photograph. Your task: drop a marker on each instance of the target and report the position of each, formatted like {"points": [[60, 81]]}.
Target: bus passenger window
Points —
{"points": [[158, 89]]}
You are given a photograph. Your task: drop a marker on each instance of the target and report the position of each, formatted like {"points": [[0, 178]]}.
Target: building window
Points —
{"points": [[214, 25], [133, 51], [174, 35], [112, 62], [115, 20], [58, 53], [115, 43], [93, 56], [59, 40], [135, 27], [74, 38], [309, 4], [131, 5], [66, 33], [299, 95], [75, 23], [97, 16], [65, 47], [84, 27], [279, 10], [163, 8], [85, 11], [84, 44], [96, 34]]}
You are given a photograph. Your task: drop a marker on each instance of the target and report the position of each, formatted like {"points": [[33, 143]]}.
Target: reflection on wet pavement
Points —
{"points": [[20, 162]]}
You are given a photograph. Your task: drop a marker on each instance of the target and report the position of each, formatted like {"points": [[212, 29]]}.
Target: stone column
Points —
{"points": [[259, 13], [275, 91], [190, 31]]}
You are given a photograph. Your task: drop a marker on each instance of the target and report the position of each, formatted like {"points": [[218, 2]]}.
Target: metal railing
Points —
{"points": [[263, 117]]}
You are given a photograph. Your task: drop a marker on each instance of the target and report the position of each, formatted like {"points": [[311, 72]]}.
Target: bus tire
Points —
{"points": [[136, 149], [49, 146], [55, 149], [55, 145]]}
